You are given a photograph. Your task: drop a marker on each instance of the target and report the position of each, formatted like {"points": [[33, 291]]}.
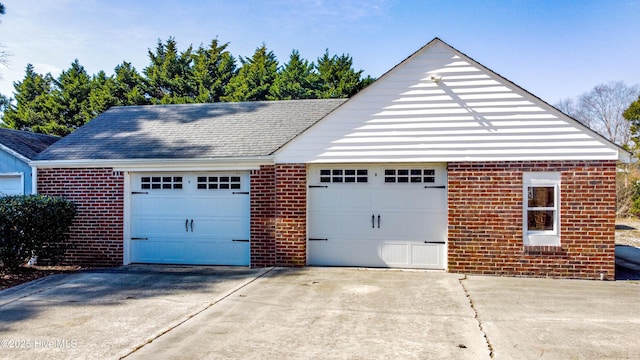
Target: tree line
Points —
{"points": [[57, 106]]}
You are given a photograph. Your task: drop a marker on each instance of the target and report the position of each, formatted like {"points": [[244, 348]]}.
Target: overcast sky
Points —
{"points": [[552, 48]]}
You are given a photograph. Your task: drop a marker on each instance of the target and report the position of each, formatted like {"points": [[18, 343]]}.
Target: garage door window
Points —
{"points": [[344, 175], [161, 182], [409, 176], [219, 182]]}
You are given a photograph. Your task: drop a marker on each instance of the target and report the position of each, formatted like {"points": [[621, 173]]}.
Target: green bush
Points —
{"points": [[34, 225]]}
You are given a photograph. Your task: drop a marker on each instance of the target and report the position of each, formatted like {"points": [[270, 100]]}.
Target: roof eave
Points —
{"points": [[14, 153], [192, 164]]}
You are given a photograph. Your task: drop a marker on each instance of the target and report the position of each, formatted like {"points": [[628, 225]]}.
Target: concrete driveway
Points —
{"points": [[141, 312]]}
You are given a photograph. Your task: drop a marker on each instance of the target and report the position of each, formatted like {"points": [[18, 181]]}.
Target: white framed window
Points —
{"points": [[225, 182], [541, 208], [344, 175], [406, 176], [161, 182]]}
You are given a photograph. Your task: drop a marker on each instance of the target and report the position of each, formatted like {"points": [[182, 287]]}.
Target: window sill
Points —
{"points": [[544, 250]]}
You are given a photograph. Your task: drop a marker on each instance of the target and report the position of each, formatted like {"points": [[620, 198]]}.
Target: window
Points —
{"points": [[161, 182], [409, 176], [541, 217], [219, 182], [344, 175]]}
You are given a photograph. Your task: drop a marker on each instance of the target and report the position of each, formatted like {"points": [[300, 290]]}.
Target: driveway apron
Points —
{"points": [[332, 313], [107, 314]]}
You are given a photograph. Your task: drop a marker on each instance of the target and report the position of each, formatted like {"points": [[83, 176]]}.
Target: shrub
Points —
{"points": [[34, 225]]}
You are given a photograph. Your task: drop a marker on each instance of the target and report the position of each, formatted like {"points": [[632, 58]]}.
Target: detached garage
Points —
{"points": [[439, 164]]}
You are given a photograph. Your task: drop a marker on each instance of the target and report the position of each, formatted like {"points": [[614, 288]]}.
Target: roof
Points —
{"points": [[24, 143], [202, 131], [440, 105]]}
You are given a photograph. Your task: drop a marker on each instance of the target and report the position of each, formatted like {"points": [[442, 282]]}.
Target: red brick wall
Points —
{"points": [[485, 220], [263, 197], [291, 214], [97, 230]]}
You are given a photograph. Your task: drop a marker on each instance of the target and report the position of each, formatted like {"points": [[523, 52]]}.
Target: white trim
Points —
{"points": [[126, 221], [34, 180], [548, 237], [14, 153], [15, 174], [231, 163]]}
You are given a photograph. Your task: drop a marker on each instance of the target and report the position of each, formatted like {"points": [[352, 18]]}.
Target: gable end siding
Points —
{"points": [[485, 220], [97, 230]]}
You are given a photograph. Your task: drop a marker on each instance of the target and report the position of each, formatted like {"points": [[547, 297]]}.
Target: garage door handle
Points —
{"points": [[373, 221], [378, 221], [191, 225], [186, 225]]}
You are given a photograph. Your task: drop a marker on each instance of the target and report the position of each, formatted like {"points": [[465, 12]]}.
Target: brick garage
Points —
{"points": [[453, 167]]}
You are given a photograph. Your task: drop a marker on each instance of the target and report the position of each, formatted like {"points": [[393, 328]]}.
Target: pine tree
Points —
{"points": [[129, 85], [296, 80], [338, 79], [32, 95], [213, 68], [70, 104], [169, 74], [254, 79]]}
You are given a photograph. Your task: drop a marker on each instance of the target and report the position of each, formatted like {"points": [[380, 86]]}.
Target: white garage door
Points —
{"points": [[378, 216], [10, 185], [190, 218]]}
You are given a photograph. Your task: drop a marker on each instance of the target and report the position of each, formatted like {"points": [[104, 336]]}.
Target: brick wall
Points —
{"points": [[97, 230], [278, 215], [291, 214], [485, 220], [263, 197]]}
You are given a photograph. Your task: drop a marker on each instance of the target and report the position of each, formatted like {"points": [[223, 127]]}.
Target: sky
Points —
{"points": [[555, 49]]}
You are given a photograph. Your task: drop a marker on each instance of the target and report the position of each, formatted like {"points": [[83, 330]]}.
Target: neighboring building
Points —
{"points": [[439, 164], [17, 148]]}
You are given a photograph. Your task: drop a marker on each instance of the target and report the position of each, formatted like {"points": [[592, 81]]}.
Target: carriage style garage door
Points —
{"points": [[379, 216], [190, 218]]}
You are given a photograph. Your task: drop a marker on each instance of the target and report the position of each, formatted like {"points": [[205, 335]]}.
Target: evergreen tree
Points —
{"points": [[169, 74], [70, 104], [129, 85], [254, 79], [102, 95], [213, 68], [632, 114], [296, 80], [32, 96], [338, 79]]}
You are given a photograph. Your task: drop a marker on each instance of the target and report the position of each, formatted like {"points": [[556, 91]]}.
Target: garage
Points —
{"points": [[190, 218], [389, 215]]}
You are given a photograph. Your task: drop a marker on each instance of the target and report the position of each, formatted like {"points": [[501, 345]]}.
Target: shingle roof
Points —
{"points": [[26, 143], [212, 130]]}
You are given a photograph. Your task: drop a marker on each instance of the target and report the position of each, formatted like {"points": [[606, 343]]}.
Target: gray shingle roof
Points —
{"points": [[26, 143], [201, 131]]}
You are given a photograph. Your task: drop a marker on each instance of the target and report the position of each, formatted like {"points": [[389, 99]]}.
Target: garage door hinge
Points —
{"points": [[240, 193], [139, 193], [318, 186], [435, 187], [435, 242], [240, 240], [139, 238], [318, 239]]}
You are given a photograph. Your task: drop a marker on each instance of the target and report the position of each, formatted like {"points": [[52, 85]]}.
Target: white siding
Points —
{"points": [[470, 114]]}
